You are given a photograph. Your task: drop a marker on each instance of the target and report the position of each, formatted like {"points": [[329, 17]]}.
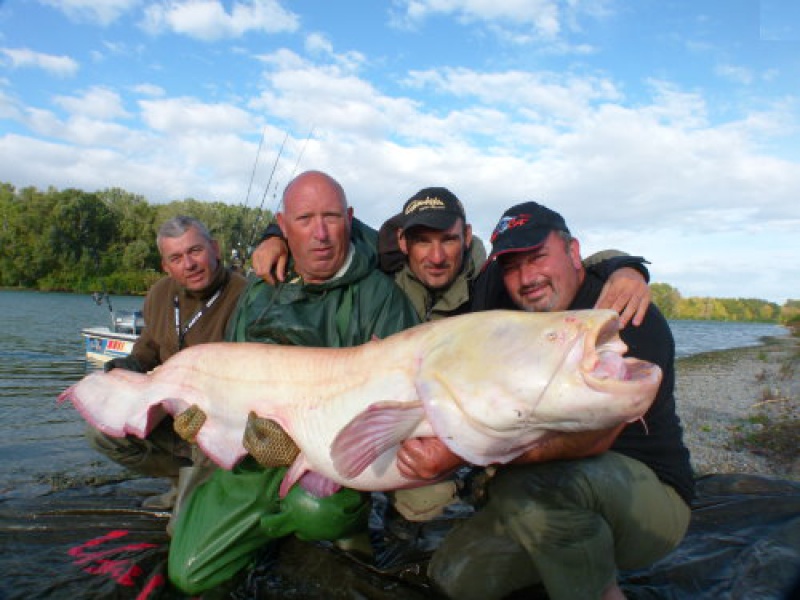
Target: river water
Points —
{"points": [[42, 353]]}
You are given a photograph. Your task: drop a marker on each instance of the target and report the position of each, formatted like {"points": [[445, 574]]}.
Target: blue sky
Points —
{"points": [[665, 128]]}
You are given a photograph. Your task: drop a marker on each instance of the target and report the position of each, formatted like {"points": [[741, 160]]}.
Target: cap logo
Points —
{"points": [[424, 204], [508, 223]]}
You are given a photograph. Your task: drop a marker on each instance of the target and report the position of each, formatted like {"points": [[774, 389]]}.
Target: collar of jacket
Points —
{"points": [[356, 267], [429, 303]]}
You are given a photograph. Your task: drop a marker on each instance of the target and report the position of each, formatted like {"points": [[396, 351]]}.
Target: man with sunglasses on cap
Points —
{"points": [[568, 514]]}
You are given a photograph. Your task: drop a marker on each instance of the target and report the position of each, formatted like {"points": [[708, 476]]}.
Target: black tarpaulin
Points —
{"points": [[743, 542]]}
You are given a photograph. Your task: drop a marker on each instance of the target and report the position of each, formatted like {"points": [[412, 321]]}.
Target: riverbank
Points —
{"points": [[740, 408]]}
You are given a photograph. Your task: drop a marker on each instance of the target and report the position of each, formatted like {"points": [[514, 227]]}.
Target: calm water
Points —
{"points": [[41, 354], [694, 337]]}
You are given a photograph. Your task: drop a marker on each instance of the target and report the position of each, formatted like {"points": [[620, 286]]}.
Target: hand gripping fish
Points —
{"points": [[490, 385]]}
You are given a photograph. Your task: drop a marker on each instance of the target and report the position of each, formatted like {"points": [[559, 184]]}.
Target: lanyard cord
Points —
{"points": [[181, 333]]}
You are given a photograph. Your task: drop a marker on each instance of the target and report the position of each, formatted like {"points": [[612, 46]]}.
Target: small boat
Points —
{"points": [[105, 343]]}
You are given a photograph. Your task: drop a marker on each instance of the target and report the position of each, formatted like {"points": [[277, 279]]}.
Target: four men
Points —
{"points": [[335, 296]]}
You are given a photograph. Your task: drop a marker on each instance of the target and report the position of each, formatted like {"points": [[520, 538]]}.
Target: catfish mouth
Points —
{"points": [[604, 364]]}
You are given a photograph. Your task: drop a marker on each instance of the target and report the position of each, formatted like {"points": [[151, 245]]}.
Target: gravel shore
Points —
{"points": [[740, 409]]}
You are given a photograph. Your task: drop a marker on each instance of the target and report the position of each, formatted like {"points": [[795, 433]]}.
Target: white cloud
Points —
{"points": [[149, 89], [63, 167], [177, 116], [543, 15], [208, 20], [80, 130], [102, 12], [541, 96], [568, 140], [9, 108], [316, 43], [736, 74], [62, 66], [514, 21], [96, 102], [328, 97]]}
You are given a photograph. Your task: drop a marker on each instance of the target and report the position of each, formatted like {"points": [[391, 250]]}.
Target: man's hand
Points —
{"points": [[270, 260], [129, 363], [626, 292], [570, 445], [426, 459]]}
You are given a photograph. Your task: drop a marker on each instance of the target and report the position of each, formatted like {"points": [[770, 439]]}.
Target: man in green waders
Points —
{"points": [[333, 297]]}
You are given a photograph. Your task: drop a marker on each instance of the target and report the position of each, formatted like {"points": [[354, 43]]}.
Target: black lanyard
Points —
{"points": [[181, 333]]}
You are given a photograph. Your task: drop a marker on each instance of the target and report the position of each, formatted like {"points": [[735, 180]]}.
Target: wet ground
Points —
{"points": [[94, 542]]}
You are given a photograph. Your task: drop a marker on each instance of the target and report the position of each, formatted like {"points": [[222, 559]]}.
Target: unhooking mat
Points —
{"points": [[743, 542]]}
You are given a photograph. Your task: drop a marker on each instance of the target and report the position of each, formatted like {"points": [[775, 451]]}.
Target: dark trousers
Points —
{"points": [[566, 524]]}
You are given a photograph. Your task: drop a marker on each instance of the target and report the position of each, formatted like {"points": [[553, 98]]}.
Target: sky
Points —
{"points": [[665, 128]]}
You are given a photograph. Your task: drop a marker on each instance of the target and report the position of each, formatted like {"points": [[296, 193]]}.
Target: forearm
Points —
{"points": [[570, 446], [606, 262], [598, 257], [146, 353]]}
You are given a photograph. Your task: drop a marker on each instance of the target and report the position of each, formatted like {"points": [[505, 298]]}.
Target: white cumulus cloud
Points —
{"points": [[208, 20], [19, 58]]}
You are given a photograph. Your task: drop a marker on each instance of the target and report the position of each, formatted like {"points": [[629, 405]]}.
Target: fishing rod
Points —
{"points": [[255, 166], [272, 183], [259, 212], [302, 151], [291, 175]]}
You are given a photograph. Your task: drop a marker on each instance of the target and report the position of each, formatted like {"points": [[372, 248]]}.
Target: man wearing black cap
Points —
{"points": [[568, 514], [441, 257]]}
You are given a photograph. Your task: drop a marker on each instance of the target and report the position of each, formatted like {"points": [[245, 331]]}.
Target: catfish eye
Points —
{"points": [[551, 336]]}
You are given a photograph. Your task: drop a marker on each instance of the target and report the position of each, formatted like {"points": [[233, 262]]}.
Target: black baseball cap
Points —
{"points": [[524, 227], [434, 207]]}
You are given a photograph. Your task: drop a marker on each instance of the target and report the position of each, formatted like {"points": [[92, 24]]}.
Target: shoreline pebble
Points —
{"points": [[722, 397]]}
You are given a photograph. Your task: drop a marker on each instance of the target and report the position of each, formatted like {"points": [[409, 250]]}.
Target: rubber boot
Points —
{"points": [[163, 501]]}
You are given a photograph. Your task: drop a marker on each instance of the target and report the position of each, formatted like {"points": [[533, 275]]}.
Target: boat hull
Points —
{"points": [[102, 344]]}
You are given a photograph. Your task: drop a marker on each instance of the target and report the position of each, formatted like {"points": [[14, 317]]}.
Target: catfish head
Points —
{"points": [[548, 372]]}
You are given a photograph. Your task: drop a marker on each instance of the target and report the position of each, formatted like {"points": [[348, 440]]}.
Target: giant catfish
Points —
{"points": [[490, 385]]}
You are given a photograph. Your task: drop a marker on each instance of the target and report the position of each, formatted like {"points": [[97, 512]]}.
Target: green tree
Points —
{"points": [[667, 298], [136, 256], [80, 233]]}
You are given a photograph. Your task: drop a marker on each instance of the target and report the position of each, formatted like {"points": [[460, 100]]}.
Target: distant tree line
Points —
{"points": [[674, 306], [71, 240]]}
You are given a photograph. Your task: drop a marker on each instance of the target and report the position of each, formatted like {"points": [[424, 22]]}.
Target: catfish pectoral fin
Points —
{"points": [[268, 443], [189, 422]]}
